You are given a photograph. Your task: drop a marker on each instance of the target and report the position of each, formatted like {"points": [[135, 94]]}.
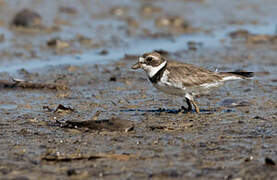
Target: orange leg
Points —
{"points": [[195, 106]]}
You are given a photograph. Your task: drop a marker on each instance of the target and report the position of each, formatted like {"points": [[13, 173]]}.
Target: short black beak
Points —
{"points": [[136, 66]]}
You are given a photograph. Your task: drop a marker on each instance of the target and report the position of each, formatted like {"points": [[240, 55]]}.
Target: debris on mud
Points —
{"points": [[67, 10], [31, 85], [57, 43], [269, 161], [239, 34], [104, 52], [156, 127], [248, 159], [175, 25], [71, 172], [149, 9], [119, 11], [60, 109], [171, 126], [48, 108], [172, 173], [72, 157], [234, 103], [193, 46], [113, 78], [253, 38], [259, 117], [83, 40], [171, 22], [130, 57], [2, 38], [64, 108], [112, 124], [27, 18]]}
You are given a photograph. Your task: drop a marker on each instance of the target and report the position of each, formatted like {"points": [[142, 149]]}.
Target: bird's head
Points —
{"points": [[151, 63]]}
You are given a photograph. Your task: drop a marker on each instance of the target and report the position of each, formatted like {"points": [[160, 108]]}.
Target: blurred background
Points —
{"points": [[41, 30]]}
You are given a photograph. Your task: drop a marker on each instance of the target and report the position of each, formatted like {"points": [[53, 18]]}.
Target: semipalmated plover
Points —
{"points": [[183, 79]]}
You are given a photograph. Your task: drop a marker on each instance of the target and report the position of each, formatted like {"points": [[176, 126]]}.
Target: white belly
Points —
{"points": [[170, 89], [175, 88]]}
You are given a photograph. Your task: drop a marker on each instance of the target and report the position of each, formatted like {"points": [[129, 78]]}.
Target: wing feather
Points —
{"points": [[190, 75]]}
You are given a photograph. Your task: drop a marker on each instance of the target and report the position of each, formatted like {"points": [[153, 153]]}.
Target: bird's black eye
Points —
{"points": [[149, 59]]}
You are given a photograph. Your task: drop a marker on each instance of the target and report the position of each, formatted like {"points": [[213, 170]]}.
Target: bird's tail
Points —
{"points": [[236, 75], [242, 74]]}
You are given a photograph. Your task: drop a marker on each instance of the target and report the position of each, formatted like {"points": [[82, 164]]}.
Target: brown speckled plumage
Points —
{"points": [[184, 79], [191, 75]]}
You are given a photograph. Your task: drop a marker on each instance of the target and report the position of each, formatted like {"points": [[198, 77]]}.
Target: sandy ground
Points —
{"points": [[110, 123]]}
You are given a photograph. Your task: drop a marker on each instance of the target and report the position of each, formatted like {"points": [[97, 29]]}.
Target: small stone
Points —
{"points": [[249, 159], [179, 22], [269, 161], [131, 128], [67, 10], [27, 18], [104, 52], [192, 45], [113, 78], [118, 11], [239, 34], [162, 22], [2, 38], [83, 40], [237, 178], [71, 172], [175, 22], [149, 9], [5, 171], [57, 43]]}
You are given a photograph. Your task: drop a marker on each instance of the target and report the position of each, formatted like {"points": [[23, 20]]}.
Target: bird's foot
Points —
{"points": [[185, 110]]}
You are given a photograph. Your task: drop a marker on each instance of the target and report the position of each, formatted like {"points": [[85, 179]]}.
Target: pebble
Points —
{"points": [[57, 43], [27, 18], [269, 161]]}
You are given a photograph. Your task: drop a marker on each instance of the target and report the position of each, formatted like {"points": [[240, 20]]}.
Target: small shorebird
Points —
{"points": [[183, 79]]}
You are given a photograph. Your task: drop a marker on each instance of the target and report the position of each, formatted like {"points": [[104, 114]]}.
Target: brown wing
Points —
{"points": [[190, 75]]}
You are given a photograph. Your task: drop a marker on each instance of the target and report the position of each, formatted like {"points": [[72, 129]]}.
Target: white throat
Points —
{"points": [[151, 71]]}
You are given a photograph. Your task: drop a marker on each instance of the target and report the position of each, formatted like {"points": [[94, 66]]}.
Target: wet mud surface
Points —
{"points": [[71, 107]]}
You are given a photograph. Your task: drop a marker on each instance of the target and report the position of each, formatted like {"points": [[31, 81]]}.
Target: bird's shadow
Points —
{"points": [[170, 111]]}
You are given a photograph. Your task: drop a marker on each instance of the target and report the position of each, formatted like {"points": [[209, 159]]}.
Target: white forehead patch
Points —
{"points": [[141, 59], [151, 71]]}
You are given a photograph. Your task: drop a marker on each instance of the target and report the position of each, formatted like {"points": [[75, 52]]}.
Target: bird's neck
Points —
{"points": [[157, 72]]}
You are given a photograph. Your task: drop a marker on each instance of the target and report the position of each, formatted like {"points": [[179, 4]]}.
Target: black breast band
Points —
{"points": [[158, 75]]}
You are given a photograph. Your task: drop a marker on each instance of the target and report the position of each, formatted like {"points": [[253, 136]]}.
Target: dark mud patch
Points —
{"points": [[182, 110], [74, 157], [19, 83], [112, 124]]}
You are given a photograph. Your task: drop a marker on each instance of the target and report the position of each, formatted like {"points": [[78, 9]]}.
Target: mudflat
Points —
{"points": [[72, 108]]}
